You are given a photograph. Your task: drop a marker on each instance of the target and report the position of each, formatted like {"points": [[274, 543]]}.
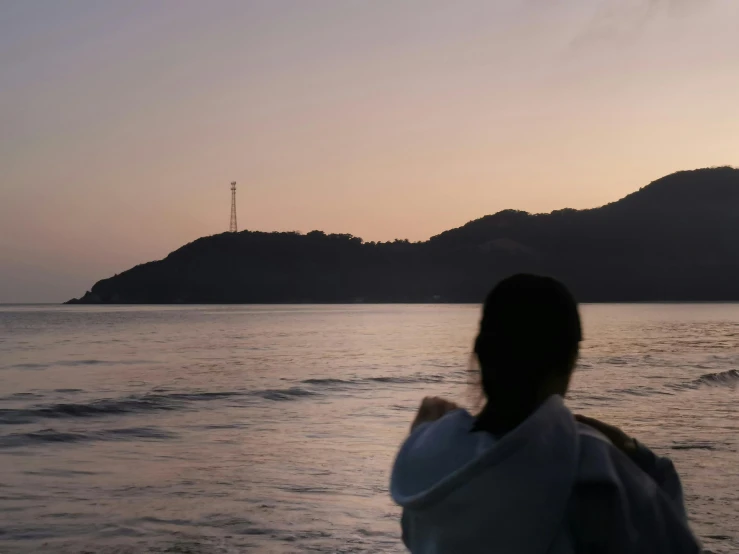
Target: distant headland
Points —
{"points": [[676, 239]]}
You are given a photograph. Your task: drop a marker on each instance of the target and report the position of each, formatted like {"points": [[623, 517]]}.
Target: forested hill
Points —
{"points": [[676, 239]]}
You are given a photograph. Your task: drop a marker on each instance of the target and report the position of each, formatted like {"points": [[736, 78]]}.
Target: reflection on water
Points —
{"points": [[228, 429]]}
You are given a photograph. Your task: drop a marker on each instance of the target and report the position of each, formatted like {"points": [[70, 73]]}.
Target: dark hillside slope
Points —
{"points": [[675, 239]]}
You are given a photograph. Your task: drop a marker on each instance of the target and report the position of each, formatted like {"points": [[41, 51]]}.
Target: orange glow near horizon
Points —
{"points": [[124, 123]]}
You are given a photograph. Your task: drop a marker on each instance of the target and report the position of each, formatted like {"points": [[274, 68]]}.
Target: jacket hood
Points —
{"points": [[460, 487]]}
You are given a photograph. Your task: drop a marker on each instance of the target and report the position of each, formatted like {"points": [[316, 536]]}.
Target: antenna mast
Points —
{"points": [[233, 228]]}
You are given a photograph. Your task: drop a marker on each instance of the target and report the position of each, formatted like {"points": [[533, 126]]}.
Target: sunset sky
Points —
{"points": [[123, 122]]}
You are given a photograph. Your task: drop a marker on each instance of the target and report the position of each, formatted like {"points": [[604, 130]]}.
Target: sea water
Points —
{"points": [[211, 429]]}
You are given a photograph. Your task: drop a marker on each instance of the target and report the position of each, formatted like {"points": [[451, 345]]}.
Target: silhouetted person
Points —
{"points": [[526, 476]]}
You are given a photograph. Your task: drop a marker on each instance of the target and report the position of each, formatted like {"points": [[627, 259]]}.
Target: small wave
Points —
{"points": [[327, 382], [305, 489], [730, 378], [27, 366], [161, 401], [284, 394], [318, 385], [108, 406], [198, 396], [616, 360], [76, 363], [14, 440], [694, 446], [404, 380], [157, 520], [137, 404], [96, 408], [52, 472], [641, 391], [369, 533], [398, 380]]}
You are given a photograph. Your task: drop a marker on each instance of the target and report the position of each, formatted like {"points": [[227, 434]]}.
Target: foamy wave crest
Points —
{"points": [[730, 378]]}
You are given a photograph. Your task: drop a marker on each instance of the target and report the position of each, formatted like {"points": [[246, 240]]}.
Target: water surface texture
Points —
{"points": [[234, 429]]}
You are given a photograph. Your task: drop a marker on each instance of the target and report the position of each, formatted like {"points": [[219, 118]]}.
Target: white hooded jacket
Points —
{"points": [[550, 486]]}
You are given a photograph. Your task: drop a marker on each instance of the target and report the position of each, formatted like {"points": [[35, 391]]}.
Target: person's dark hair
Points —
{"points": [[529, 336]]}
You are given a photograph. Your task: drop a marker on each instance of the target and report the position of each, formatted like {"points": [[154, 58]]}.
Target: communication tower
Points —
{"points": [[233, 228]]}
